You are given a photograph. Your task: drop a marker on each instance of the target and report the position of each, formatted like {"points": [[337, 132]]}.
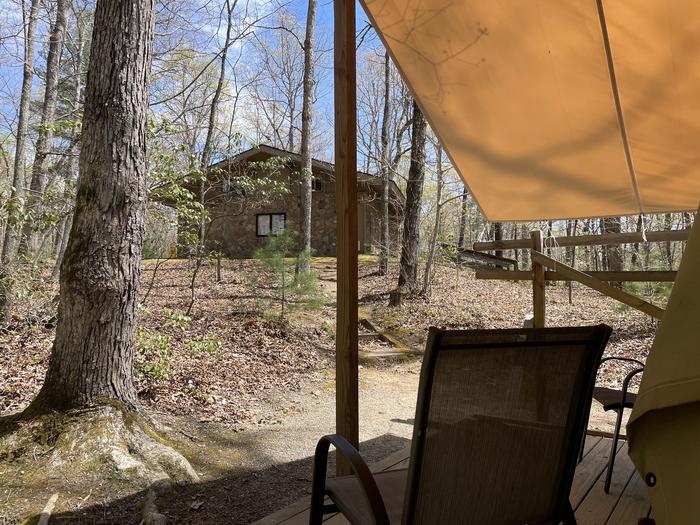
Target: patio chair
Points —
{"points": [[617, 401], [499, 419]]}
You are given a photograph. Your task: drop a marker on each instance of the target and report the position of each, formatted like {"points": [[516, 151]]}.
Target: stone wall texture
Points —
{"points": [[233, 226]]}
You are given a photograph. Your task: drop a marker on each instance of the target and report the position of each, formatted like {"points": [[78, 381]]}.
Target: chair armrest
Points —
{"points": [[626, 382], [626, 359], [364, 476]]}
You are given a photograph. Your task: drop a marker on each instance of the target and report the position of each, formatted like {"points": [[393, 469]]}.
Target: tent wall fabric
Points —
{"points": [[664, 448], [553, 109], [664, 428]]}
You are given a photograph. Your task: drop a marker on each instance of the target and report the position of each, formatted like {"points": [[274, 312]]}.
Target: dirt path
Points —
{"points": [[250, 473]]}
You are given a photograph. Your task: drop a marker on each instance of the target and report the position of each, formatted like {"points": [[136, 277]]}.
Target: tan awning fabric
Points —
{"points": [[521, 95], [664, 428]]}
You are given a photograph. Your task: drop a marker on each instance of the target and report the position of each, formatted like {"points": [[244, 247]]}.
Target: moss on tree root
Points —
{"points": [[107, 449]]}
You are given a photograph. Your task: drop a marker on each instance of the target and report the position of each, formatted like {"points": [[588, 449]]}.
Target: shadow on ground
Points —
{"points": [[239, 498]]}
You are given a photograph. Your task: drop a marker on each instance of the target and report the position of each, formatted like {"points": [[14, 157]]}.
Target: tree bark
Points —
{"points": [[498, 236], [408, 270], [634, 263], [304, 264], [44, 141], [386, 117], [668, 249], [613, 254], [92, 355], [18, 179], [463, 218]]}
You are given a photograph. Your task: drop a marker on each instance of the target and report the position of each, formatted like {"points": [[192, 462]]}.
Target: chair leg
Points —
{"points": [[318, 483], [583, 438], [613, 450], [316, 509]]}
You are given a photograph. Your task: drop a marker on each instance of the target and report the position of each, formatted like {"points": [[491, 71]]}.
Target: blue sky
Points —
{"points": [[11, 50]]}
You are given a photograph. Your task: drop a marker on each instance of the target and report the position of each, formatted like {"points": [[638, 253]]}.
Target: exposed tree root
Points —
{"points": [[118, 451]]}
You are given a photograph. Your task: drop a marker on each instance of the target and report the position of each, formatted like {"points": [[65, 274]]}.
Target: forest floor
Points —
{"points": [[244, 394]]}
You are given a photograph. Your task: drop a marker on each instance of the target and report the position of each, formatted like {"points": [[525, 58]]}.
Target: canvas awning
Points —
{"points": [[553, 109]]}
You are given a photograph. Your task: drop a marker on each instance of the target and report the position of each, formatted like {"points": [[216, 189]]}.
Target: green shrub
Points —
{"points": [[176, 320], [657, 293], [278, 264], [154, 351], [211, 345]]}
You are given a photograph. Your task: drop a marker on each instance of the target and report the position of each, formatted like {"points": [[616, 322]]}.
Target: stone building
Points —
{"points": [[244, 215]]}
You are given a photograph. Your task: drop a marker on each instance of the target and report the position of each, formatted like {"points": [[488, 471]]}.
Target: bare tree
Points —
{"points": [[463, 218], [208, 146], [44, 142], [385, 153], [281, 82], [15, 210], [304, 264], [78, 57], [408, 268], [613, 254], [432, 245], [498, 236]]}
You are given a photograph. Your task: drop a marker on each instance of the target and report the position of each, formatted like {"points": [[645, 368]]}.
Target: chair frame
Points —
{"points": [[359, 467], [371, 491], [619, 411]]}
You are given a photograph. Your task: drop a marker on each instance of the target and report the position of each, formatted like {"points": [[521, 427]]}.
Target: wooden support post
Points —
{"points": [[538, 296], [346, 357]]}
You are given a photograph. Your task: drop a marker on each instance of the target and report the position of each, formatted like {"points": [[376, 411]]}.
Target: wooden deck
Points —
{"points": [[626, 503]]}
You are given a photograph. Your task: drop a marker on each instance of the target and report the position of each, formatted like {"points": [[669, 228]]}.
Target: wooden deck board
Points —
{"points": [[589, 470], [626, 503], [599, 506], [634, 505]]}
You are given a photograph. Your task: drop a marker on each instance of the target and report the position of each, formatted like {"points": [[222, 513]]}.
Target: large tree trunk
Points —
{"points": [[386, 117], [304, 264], [18, 179], [44, 141], [408, 270], [92, 353]]}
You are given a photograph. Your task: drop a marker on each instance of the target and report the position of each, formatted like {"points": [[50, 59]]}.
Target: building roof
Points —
{"points": [[271, 151], [557, 109]]}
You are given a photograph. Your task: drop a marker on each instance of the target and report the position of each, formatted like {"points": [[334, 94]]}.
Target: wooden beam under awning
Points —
{"points": [[652, 276], [346, 356]]}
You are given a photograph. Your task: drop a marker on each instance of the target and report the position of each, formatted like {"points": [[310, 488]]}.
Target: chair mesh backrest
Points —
{"points": [[499, 421]]}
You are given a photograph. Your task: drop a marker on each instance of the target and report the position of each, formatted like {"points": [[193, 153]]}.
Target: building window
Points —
{"points": [[316, 184], [269, 224]]}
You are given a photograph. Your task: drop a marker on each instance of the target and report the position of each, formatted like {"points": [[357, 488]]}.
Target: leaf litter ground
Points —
{"points": [[234, 374]]}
